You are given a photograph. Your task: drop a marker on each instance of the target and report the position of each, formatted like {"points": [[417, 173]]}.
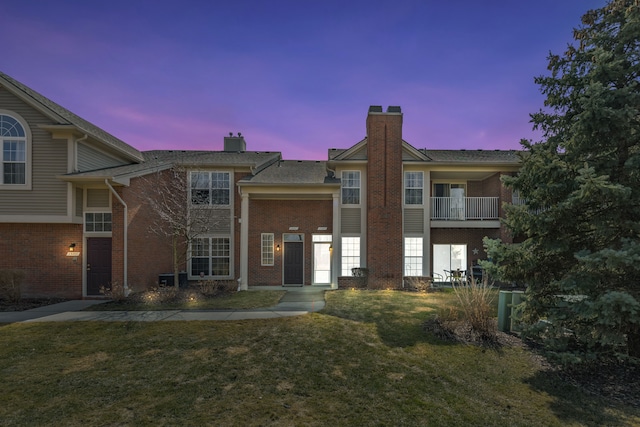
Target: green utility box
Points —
{"points": [[517, 298], [504, 311]]}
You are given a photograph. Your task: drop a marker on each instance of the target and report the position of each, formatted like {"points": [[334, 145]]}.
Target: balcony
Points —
{"points": [[464, 208]]}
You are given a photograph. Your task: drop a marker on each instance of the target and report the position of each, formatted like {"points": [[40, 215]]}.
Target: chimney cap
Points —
{"points": [[375, 109], [394, 109]]}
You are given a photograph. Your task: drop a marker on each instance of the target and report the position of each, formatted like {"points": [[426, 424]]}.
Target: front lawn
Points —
{"points": [[364, 360]]}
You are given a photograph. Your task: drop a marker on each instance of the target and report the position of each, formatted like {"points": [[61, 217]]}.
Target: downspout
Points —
{"points": [[125, 237]]}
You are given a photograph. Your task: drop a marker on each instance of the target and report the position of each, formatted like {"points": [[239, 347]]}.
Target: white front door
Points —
{"points": [[322, 263]]}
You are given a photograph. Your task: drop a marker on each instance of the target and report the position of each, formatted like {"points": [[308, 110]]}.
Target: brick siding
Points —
{"points": [[276, 216], [40, 251]]}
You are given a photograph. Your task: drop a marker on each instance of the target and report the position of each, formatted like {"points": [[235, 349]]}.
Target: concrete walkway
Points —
{"points": [[295, 302]]}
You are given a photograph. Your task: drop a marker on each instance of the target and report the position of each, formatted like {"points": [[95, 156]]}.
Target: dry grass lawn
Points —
{"points": [[364, 360]]}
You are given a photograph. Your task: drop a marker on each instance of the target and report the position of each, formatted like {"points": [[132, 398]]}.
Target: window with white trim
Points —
{"points": [[13, 167], [210, 188], [97, 222], [350, 254], [413, 256], [413, 188], [267, 249], [210, 257], [350, 187]]}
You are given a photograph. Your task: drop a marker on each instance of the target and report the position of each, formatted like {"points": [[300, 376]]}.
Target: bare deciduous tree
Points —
{"points": [[166, 193]]}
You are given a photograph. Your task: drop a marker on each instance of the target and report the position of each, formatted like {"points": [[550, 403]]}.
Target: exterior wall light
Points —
{"points": [[73, 252], [277, 248]]}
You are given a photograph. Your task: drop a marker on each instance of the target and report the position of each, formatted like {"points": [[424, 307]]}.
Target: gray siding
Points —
{"points": [[91, 159], [79, 201], [48, 195], [212, 221], [97, 198], [414, 221], [351, 222]]}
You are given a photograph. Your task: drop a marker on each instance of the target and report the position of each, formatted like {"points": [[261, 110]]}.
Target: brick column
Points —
{"points": [[384, 197]]}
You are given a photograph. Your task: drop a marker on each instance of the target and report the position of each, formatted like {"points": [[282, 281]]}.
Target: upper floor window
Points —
{"points": [[351, 187], [13, 168], [413, 188], [210, 188]]}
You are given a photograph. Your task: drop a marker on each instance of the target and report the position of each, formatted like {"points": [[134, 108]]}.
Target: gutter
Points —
{"points": [[126, 237]]}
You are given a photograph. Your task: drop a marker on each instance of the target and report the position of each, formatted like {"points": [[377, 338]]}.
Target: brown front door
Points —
{"points": [[293, 264], [98, 264]]}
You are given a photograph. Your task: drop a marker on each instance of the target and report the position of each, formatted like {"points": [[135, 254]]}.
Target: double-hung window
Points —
{"points": [[210, 188], [13, 165], [413, 256], [350, 254], [351, 187], [210, 257], [413, 188]]}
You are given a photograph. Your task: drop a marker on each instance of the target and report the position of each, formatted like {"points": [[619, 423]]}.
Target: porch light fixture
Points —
{"points": [[72, 247], [277, 248]]}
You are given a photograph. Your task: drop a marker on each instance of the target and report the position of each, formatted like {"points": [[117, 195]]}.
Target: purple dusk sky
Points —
{"points": [[292, 76]]}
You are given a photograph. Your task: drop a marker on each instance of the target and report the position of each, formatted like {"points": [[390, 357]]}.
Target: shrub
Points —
{"points": [[10, 282], [211, 287], [116, 291], [418, 283]]}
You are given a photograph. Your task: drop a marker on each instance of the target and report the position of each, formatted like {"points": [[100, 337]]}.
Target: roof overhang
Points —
{"points": [[289, 192]]}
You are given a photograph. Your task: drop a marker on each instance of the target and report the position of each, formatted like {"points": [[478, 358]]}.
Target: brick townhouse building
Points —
{"points": [[73, 214]]}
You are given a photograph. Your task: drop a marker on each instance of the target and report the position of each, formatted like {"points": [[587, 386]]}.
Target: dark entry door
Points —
{"points": [[293, 263], [98, 264]]}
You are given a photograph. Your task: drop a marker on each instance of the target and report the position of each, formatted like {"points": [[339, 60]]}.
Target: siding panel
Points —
{"points": [[351, 221], [48, 195], [215, 221], [79, 201], [97, 198], [91, 159], [414, 221]]}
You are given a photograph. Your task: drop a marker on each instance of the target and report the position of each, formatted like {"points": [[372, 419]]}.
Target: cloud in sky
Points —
{"points": [[292, 76]]}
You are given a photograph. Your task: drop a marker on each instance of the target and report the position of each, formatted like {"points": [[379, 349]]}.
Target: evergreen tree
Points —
{"points": [[578, 233]]}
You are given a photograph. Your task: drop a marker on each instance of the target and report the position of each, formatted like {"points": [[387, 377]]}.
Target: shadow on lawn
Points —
{"points": [[583, 407], [399, 321]]}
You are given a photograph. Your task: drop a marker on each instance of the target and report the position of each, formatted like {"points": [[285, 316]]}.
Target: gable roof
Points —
{"points": [[292, 172], [358, 152], [157, 160], [65, 117]]}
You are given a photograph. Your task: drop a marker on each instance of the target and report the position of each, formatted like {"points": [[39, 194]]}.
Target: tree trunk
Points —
{"points": [[176, 269]]}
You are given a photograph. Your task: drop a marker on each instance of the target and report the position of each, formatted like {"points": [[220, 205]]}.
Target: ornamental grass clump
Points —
{"points": [[476, 302]]}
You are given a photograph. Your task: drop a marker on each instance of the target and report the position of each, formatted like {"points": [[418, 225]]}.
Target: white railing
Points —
{"points": [[464, 208]]}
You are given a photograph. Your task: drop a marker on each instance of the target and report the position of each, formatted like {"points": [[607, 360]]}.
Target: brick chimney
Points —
{"points": [[234, 143], [384, 197]]}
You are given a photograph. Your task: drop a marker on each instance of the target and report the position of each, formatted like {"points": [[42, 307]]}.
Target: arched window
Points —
{"points": [[13, 168]]}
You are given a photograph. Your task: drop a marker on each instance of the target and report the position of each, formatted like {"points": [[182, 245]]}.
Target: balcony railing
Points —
{"points": [[464, 208]]}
